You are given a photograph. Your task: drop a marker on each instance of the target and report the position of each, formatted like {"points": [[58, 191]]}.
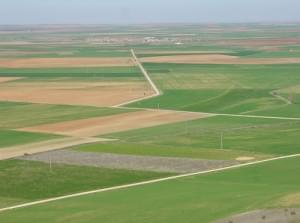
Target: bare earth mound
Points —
{"points": [[266, 216], [66, 62], [101, 94], [217, 59], [115, 123], [129, 162]]}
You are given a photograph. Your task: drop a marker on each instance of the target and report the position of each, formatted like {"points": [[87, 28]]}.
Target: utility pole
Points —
{"points": [[221, 141], [50, 163], [186, 128]]}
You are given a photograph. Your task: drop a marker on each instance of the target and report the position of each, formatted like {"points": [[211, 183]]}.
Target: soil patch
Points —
{"points": [[245, 158], [290, 200], [116, 123], [100, 94], [66, 62], [7, 79]]}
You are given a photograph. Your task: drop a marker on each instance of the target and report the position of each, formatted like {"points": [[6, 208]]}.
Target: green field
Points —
{"points": [[192, 199], [18, 115], [202, 138], [236, 89], [28, 181], [12, 138], [113, 73], [261, 90]]}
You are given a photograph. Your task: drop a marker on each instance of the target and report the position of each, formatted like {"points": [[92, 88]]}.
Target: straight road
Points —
{"points": [[145, 73]]}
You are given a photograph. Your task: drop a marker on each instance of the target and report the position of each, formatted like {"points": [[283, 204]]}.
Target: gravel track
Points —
{"points": [[130, 162], [288, 215]]}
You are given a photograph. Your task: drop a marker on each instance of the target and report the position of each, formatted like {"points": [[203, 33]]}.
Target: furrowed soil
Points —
{"points": [[65, 62], [100, 94]]}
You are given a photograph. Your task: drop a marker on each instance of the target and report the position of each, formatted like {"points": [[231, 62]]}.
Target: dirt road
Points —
{"points": [[16, 151]]}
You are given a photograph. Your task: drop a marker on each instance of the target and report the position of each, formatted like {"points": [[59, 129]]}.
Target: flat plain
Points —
{"points": [[228, 95]]}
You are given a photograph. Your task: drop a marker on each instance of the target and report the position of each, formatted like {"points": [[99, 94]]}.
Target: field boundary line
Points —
{"points": [[148, 78], [257, 116], [215, 114], [144, 183], [280, 97], [46, 146]]}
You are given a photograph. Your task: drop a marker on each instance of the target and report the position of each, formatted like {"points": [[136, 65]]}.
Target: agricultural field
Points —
{"points": [[232, 89], [187, 199], [160, 123], [241, 137], [29, 181]]}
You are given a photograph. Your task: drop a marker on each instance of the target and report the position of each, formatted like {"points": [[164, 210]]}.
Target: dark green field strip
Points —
{"points": [[62, 53], [45, 50], [178, 53], [192, 199], [281, 53], [202, 138], [239, 53], [28, 180], [110, 72], [207, 46], [18, 115], [48, 48], [12, 138]]}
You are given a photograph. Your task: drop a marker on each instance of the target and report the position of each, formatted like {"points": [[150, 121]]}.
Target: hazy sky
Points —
{"points": [[146, 11]]}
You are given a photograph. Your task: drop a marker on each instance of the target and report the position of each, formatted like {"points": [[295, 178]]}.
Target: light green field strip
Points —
{"points": [[44, 146], [13, 138], [258, 116], [144, 183], [241, 136], [18, 115]]}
